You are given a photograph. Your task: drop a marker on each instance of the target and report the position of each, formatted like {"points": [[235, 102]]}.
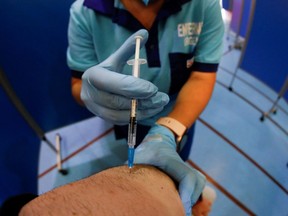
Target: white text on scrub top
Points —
{"points": [[190, 31]]}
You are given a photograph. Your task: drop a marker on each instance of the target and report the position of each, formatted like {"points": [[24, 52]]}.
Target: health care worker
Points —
{"points": [[182, 43]]}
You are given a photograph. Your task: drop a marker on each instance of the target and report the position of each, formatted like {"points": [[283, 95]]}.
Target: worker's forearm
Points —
{"points": [[191, 101], [193, 97], [76, 90]]}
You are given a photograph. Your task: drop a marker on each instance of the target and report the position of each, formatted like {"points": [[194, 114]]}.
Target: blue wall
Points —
{"points": [[240, 18], [266, 55], [19, 150], [33, 42]]}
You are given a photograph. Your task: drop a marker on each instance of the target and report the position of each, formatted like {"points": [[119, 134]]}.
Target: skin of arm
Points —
{"points": [[144, 190], [193, 97], [76, 89]]}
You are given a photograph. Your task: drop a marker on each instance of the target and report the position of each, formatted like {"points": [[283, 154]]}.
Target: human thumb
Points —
{"points": [[119, 58]]}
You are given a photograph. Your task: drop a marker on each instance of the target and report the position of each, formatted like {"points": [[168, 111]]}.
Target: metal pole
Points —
{"points": [[247, 36], [22, 110], [280, 95]]}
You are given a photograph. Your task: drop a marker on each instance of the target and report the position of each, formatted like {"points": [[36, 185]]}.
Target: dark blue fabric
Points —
{"points": [[204, 67], [185, 152], [77, 74], [152, 48], [179, 71], [104, 7]]}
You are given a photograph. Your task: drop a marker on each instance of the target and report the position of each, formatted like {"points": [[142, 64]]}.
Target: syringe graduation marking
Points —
{"points": [[132, 129]]}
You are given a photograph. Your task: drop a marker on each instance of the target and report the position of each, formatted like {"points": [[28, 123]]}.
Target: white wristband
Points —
{"points": [[175, 126]]}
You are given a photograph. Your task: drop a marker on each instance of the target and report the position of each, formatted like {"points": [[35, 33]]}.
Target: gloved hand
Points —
{"points": [[107, 93], [159, 149]]}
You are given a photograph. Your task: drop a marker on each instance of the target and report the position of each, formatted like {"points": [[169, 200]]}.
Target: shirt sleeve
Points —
{"points": [[209, 46], [80, 53]]}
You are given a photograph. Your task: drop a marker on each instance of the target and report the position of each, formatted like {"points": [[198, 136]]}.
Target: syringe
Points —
{"points": [[132, 129]]}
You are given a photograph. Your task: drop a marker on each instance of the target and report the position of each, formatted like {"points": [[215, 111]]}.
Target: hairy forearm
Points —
{"points": [[144, 190], [193, 97]]}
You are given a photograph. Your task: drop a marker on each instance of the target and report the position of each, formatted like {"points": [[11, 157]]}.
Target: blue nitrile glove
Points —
{"points": [[107, 93], [159, 149]]}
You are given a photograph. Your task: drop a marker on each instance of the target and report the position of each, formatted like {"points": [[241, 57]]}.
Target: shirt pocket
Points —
{"points": [[180, 69]]}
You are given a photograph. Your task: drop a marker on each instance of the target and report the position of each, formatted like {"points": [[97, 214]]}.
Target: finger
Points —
{"points": [[125, 52], [191, 183], [119, 117], [159, 100], [200, 184], [119, 102], [117, 83], [190, 188], [186, 189]]}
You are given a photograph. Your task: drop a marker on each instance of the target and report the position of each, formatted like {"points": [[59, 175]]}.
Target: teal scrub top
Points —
{"points": [[186, 36]]}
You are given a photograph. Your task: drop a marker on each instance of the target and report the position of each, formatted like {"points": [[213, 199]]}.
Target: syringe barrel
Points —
{"points": [[132, 129]]}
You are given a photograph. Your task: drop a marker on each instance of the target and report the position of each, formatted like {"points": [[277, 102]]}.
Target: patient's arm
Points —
{"points": [[144, 191]]}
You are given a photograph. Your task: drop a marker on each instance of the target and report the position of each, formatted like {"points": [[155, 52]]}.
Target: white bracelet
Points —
{"points": [[175, 126]]}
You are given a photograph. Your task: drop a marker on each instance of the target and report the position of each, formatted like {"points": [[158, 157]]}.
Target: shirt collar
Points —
{"points": [[105, 7], [124, 18]]}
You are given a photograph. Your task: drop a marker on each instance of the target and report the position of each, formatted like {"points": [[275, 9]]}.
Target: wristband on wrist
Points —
{"points": [[175, 126]]}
